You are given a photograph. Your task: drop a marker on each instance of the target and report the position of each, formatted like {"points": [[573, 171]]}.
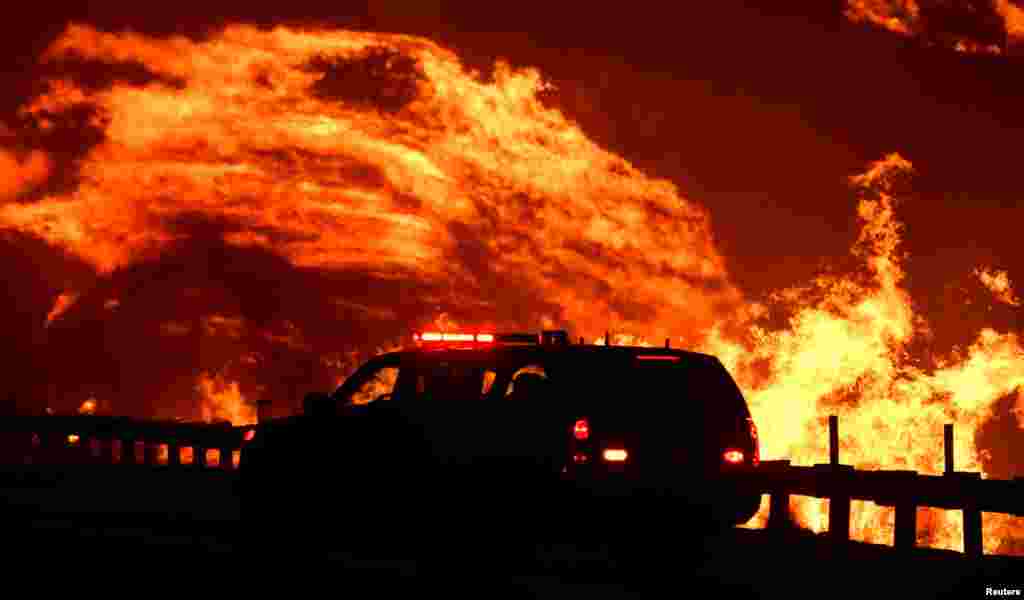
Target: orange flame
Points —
{"points": [[223, 400], [998, 282], [845, 353], [88, 407]]}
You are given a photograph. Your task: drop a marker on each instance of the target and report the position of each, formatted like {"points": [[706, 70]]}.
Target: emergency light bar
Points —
{"points": [[453, 337], [509, 339]]}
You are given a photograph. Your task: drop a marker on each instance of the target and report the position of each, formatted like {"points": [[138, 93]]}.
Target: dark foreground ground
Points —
{"points": [[186, 528]]}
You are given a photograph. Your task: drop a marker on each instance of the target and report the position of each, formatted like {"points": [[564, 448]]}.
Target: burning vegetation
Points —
{"points": [[267, 205]]}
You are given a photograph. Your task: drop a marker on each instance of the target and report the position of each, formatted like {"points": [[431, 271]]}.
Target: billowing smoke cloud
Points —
{"points": [[289, 195], [19, 176]]}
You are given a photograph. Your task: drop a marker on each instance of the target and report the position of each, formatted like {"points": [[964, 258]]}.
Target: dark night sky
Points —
{"points": [[755, 111]]}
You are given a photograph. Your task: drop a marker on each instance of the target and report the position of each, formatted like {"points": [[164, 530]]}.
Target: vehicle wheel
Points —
{"points": [[743, 510]]}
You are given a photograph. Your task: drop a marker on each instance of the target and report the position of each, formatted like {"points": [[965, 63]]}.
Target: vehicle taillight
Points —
{"points": [[249, 435], [733, 456], [581, 429], [615, 455]]}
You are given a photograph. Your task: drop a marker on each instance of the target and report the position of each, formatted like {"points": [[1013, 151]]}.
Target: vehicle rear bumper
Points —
{"points": [[696, 486]]}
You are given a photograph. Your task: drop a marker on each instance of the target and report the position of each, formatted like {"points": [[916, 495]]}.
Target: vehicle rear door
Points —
{"points": [[442, 401]]}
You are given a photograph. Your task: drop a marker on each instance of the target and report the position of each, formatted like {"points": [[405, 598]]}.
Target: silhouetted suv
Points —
{"points": [[465, 423]]}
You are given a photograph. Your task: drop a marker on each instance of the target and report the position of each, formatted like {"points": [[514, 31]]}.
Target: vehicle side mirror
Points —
{"points": [[317, 404]]}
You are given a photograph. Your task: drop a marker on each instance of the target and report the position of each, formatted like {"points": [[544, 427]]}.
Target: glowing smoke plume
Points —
{"points": [[970, 26]]}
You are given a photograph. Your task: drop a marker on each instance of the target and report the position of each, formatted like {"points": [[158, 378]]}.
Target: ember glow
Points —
{"points": [[63, 303], [998, 282], [983, 27]]}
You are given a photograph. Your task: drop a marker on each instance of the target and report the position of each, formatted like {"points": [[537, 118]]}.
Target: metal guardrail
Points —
{"points": [[906, 491], [76, 440], [122, 440]]}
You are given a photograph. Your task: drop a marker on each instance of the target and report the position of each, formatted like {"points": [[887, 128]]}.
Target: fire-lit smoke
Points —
{"points": [[274, 205], [223, 401], [845, 352], [372, 153], [971, 26], [21, 175]]}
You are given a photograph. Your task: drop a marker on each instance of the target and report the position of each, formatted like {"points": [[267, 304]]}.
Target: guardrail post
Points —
{"points": [[149, 453], [839, 501], [199, 456], [173, 454], [905, 536], [779, 518], [127, 450], [227, 458], [947, 438], [973, 538], [262, 411], [83, 449], [778, 510], [107, 451], [833, 440], [973, 546]]}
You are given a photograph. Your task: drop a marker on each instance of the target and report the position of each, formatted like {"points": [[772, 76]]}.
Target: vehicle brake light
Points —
{"points": [[615, 455], [249, 435], [657, 357], [733, 456], [485, 337], [581, 429]]}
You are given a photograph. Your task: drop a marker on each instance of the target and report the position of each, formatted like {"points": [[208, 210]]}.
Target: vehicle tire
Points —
{"points": [[745, 508]]}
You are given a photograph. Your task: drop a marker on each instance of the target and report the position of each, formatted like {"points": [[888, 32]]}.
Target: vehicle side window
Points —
{"points": [[371, 383]]}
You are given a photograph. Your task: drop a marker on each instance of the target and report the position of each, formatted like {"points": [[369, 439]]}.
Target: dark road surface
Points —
{"points": [[68, 525]]}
